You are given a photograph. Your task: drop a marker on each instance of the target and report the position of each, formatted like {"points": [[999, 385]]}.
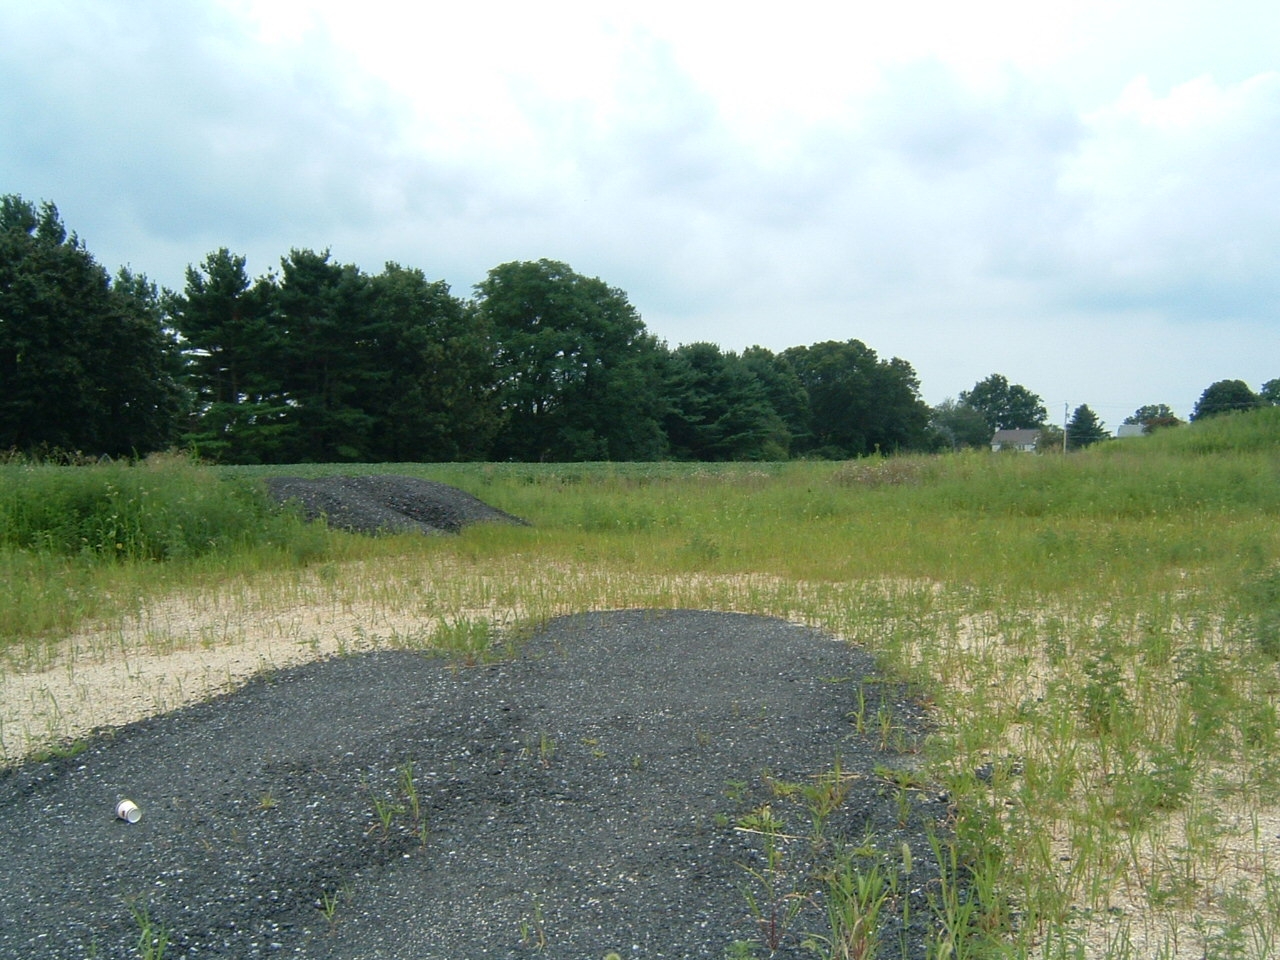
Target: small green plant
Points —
{"points": [[772, 896], [329, 905], [153, 938], [64, 750], [409, 789], [533, 929], [469, 642], [859, 715], [1261, 599], [386, 811], [544, 749], [1105, 702], [854, 899], [827, 793]]}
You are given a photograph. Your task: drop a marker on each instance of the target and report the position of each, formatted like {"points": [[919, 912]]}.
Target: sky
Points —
{"points": [[1083, 197]]}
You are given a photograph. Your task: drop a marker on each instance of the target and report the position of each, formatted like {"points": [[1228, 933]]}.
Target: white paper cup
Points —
{"points": [[128, 811]]}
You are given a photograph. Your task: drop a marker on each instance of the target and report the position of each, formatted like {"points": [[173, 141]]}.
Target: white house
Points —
{"points": [[1024, 440]]}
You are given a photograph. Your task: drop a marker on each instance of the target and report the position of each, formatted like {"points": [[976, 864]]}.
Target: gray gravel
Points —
{"points": [[386, 503], [578, 798]]}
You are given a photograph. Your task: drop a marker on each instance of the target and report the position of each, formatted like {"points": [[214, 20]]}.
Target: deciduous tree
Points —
{"points": [[1153, 416], [959, 425], [1005, 406], [1225, 396], [578, 376], [858, 403]]}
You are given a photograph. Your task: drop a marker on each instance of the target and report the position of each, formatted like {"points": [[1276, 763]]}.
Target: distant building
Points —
{"points": [[1024, 440], [1130, 430]]}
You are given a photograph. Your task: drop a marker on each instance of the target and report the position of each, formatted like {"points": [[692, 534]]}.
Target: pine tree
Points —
{"points": [[1085, 428]]}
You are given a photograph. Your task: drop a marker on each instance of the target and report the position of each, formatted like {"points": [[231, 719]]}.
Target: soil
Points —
{"points": [[582, 795]]}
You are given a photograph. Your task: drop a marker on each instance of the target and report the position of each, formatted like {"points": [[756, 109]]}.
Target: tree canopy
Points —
{"points": [[320, 361], [86, 363], [1153, 416], [958, 425], [1225, 396], [577, 373], [1005, 406], [719, 408], [858, 403], [1084, 429]]}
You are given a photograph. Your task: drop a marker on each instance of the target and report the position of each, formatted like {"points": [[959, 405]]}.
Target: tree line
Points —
{"points": [[323, 362]]}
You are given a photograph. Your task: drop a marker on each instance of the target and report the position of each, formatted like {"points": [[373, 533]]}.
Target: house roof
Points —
{"points": [[1016, 436]]}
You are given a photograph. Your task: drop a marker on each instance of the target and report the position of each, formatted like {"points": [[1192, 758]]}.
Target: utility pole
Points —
{"points": [[1065, 404]]}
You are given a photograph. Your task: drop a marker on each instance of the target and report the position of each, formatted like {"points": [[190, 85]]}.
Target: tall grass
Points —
{"points": [[1099, 633], [94, 539]]}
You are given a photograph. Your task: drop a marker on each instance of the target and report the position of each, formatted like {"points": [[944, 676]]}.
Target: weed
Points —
{"points": [[854, 899], [544, 749], [386, 811], [773, 896], [533, 929], [63, 750], [153, 938], [329, 900]]}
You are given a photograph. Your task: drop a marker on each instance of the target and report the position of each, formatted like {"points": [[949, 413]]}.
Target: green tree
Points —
{"points": [[578, 376], [324, 328], [858, 403], [85, 365], [959, 425], [1225, 396], [1148, 412], [1084, 428], [1270, 393], [1049, 439], [720, 409], [234, 355], [433, 398], [785, 392], [1153, 416], [1005, 406]]}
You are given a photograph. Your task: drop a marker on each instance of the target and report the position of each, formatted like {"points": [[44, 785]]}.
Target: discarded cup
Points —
{"points": [[128, 811]]}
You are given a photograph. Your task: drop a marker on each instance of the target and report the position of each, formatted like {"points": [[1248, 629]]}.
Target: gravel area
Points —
{"points": [[386, 503], [580, 797]]}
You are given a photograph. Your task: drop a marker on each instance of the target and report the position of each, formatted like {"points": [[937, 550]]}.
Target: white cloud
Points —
{"points": [[960, 185], [1180, 198]]}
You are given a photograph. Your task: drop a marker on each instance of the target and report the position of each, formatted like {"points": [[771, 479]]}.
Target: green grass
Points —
{"points": [[1098, 633]]}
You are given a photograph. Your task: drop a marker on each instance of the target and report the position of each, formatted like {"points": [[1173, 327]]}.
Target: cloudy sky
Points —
{"points": [[1085, 199]]}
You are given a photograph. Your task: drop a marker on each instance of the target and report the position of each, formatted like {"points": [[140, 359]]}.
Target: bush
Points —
{"points": [[163, 508]]}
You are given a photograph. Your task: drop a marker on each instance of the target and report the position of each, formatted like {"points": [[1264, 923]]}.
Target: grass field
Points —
{"points": [[1098, 634]]}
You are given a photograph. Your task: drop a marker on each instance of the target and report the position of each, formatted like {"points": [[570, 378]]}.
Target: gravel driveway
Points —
{"points": [[582, 797]]}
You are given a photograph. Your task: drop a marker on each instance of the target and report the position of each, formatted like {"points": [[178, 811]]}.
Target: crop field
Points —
{"points": [[1097, 635]]}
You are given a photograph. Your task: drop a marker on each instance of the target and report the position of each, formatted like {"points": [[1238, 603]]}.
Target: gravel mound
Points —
{"points": [[385, 503], [583, 796]]}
